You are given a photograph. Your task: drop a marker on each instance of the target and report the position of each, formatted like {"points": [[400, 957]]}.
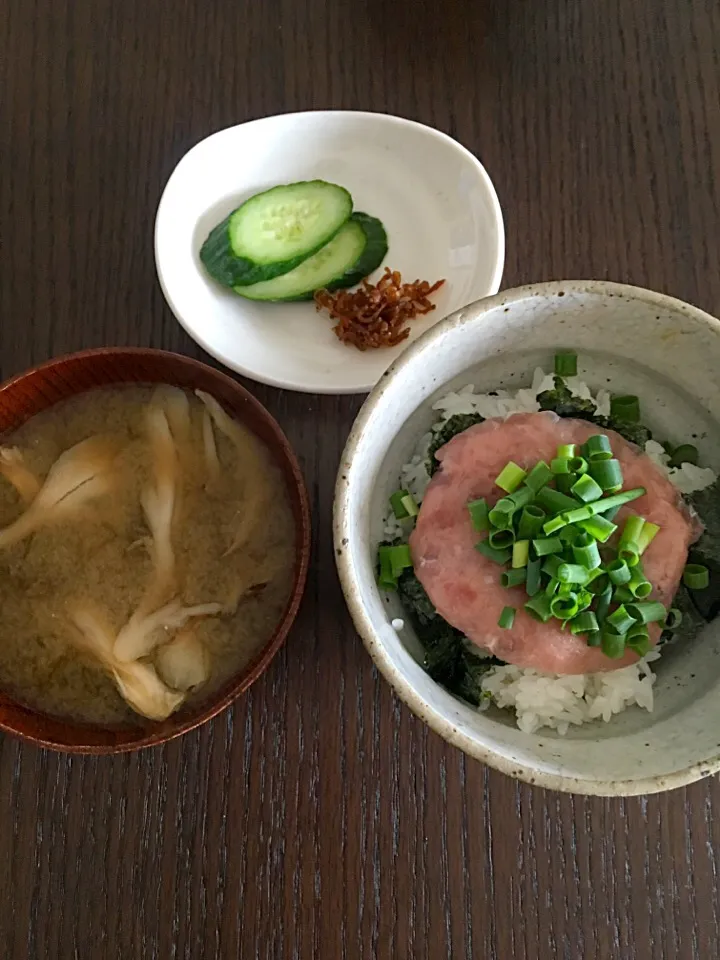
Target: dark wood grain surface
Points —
{"points": [[318, 818]]}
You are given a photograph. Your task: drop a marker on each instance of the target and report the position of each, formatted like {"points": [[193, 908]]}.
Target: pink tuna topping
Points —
{"points": [[464, 586]]}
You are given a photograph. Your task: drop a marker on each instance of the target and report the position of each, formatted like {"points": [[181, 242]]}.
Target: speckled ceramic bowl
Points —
{"points": [[665, 351]]}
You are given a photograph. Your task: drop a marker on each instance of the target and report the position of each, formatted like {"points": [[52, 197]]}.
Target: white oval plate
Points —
{"points": [[438, 205]]}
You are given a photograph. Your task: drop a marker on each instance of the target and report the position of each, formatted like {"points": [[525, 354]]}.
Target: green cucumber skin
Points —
{"points": [[369, 260], [228, 269]]}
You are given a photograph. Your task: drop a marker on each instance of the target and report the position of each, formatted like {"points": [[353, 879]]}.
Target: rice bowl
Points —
{"points": [[495, 345]]}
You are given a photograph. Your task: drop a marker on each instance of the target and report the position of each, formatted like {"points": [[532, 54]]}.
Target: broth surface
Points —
{"points": [[101, 557]]}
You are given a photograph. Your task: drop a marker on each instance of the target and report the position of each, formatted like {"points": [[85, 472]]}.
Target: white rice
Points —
{"points": [[548, 699]]}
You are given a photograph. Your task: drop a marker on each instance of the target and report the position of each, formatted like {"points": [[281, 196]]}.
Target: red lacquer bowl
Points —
{"points": [[39, 388]]}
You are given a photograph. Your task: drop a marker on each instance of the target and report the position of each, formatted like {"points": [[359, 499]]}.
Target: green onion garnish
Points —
{"points": [[579, 465], [501, 539], [533, 582], [649, 612], [573, 573], [539, 476], [566, 363], [621, 619], [510, 477], [586, 553], [618, 571], [513, 578], [564, 608], [613, 644], [696, 576], [386, 579], [400, 501], [673, 619], [603, 605], [520, 554], [552, 588], [479, 515], [400, 559], [632, 529], [639, 643], [607, 474], [628, 551], [501, 515], [561, 465], [569, 535], [587, 489], [554, 501], [538, 607], [623, 594], [594, 639], [563, 482], [598, 585], [507, 618], [579, 513], [638, 585], [566, 451], [598, 447], [625, 408], [647, 535], [531, 521], [551, 565], [497, 556], [599, 527], [553, 525], [521, 497], [617, 500], [547, 546], [584, 623], [685, 453]]}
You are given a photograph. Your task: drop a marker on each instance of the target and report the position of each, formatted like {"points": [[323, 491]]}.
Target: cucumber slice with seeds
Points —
{"points": [[274, 231], [357, 250]]}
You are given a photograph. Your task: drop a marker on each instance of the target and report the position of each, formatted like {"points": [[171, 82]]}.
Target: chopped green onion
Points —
{"points": [[598, 585], [553, 525], [607, 474], [573, 573], [510, 477], [533, 582], [650, 612], [696, 576], [479, 515], [623, 594], [599, 527], [410, 505], [520, 554], [566, 363], [564, 481], [639, 643], [647, 535], [564, 608], [569, 534], [521, 497], [621, 619], [685, 453], [555, 501], [497, 556], [552, 588], [587, 489], [585, 600], [612, 513], [619, 572], [501, 514], [531, 520], [584, 623], [538, 607], [629, 552], [561, 465], [566, 451], [638, 585], [617, 500], [586, 552], [400, 559], [673, 619], [594, 639], [399, 506], [579, 465], [539, 476], [513, 578], [580, 513], [625, 408], [603, 605], [598, 447], [507, 618], [501, 539], [386, 578], [547, 546], [613, 644], [551, 565], [632, 529], [567, 589]]}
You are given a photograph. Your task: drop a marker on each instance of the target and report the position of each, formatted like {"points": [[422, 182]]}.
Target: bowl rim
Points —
{"points": [[342, 531], [231, 690], [376, 116]]}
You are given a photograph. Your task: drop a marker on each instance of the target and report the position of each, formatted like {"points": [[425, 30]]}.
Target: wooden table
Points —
{"points": [[319, 818]]}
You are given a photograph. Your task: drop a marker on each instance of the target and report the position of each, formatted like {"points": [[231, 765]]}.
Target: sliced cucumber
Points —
{"points": [[274, 231], [317, 271], [376, 248]]}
